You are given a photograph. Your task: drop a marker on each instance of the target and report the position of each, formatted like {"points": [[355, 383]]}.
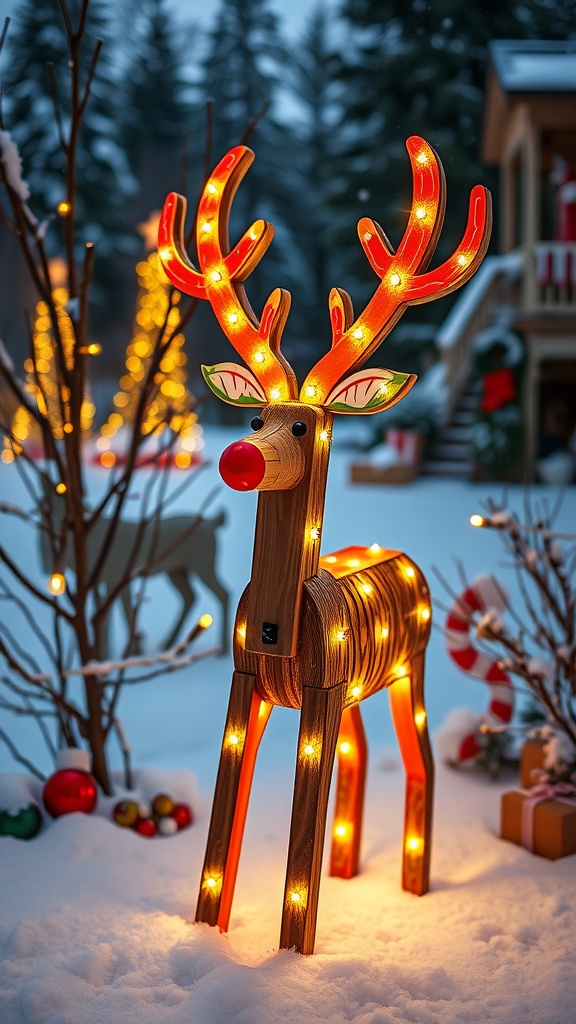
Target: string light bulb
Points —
{"points": [[477, 520], [57, 584], [414, 844]]}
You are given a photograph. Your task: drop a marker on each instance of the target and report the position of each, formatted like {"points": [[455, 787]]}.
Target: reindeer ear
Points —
{"points": [[369, 391], [234, 384]]}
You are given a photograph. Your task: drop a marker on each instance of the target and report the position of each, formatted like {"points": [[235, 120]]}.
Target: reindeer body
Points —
{"points": [[316, 634], [179, 547]]}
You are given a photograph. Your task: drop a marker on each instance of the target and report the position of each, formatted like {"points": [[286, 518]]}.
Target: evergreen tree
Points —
{"points": [[37, 39], [419, 68], [241, 74], [314, 90], [156, 112]]}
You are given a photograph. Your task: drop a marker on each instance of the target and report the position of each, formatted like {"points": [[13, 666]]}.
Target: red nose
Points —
{"points": [[242, 466]]}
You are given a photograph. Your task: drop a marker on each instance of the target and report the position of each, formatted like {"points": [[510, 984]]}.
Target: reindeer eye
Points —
{"points": [[299, 429], [256, 423]]}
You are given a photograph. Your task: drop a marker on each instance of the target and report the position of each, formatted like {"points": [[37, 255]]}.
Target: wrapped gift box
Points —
{"points": [[550, 833], [531, 760]]}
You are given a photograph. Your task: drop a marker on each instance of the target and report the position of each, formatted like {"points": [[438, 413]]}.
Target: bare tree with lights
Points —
{"points": [[538, 647], [79, 541]]}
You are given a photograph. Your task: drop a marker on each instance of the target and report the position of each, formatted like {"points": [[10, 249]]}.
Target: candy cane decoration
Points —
{"points": [[484, 594]]}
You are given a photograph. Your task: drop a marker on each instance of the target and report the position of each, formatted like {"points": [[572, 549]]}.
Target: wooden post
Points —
{"points": [[410, 722], [245, 723], [347, 830], [319, 725]]}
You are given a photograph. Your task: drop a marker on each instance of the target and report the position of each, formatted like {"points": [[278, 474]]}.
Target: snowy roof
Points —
{"points": [[535, 65]]}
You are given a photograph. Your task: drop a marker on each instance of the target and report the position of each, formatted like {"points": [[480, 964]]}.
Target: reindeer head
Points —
{"points": [[336, 383]]}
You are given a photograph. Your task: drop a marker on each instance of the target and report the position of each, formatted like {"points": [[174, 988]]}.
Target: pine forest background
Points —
{"points": [[326, 115]]}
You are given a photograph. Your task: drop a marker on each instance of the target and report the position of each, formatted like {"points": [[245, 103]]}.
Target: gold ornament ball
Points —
{"points": [[126, 813], [162, 805]]}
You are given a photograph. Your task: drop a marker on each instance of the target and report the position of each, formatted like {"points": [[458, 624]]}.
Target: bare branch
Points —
{"points": [[20, 757]]}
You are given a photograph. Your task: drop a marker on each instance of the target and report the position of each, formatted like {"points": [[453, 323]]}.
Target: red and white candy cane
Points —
{"points": [[485, 593]]}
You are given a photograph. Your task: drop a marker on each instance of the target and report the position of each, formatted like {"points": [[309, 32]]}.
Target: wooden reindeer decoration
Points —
{"points": [[319, 634]]}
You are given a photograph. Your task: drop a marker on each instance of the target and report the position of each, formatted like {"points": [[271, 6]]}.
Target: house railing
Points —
{"points": [[554, 270], [491, 286]]}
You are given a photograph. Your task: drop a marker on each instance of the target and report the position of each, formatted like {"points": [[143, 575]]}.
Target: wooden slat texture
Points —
{"points": [[230, 799], [347, 830], [407, 704], [319, 725], [284, 553]]}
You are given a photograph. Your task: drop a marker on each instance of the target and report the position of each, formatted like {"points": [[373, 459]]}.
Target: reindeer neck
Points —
{"points": [[287, 544]]}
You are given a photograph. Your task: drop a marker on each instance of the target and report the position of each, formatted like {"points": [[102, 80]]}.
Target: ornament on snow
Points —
{"points": [[485, 596], [305, 624], [22, 824], [71, 788], [163, 815]]}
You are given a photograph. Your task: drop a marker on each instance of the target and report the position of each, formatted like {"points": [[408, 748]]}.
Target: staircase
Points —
{"points": [[451, 453]]}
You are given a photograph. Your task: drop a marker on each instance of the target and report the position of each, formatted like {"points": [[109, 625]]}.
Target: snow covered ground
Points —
{"points": [[95, 919]]}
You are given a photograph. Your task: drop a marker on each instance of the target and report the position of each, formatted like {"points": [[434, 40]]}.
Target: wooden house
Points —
{"points": [[530, 135]]}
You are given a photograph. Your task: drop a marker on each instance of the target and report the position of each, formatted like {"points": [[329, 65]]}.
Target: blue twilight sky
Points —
{"points": [[293, 14]]}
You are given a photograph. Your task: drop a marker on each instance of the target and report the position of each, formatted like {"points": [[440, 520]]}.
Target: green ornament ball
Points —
{"points": [[24, 824]]}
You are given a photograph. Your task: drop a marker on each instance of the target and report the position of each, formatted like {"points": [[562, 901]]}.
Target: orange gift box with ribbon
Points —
{"points": [[542, 819]]}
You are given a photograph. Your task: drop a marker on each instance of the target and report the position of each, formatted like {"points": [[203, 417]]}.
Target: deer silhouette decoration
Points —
{"points": [[316, 633]]}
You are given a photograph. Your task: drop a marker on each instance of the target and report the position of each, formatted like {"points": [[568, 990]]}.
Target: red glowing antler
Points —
{"points": [[354, 342], [223, 271]]}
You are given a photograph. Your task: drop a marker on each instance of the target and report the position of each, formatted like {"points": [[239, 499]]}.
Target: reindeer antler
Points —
{"points": [[220, 280], [354, 342]]}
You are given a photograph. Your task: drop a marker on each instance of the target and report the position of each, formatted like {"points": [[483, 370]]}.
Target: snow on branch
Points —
{"points": [[10, 158]]}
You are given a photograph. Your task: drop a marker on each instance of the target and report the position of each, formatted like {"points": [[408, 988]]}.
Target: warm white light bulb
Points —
{"points": [[57, 584]]}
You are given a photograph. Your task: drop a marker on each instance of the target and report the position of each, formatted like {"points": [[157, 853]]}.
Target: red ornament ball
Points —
{"points": [[126, 813], [146, 827], [182, 814], [68, 791]]}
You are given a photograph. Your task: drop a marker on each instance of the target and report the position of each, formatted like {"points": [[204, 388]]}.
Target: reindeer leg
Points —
{"points": [[134, 636], [245, 723], [352, 756], [409, 715], [319, 724], [179, 579]]}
